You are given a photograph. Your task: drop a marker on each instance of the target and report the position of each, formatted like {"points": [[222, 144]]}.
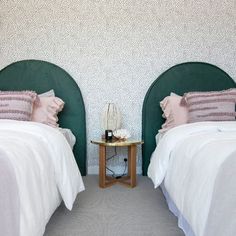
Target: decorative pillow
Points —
{"points": [[211, 106], [17, 105], [174, 113], [47, 109]]}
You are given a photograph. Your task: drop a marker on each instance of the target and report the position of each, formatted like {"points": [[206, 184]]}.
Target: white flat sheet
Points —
{"points": [[45, 169], [190, 159], [67, 133]]}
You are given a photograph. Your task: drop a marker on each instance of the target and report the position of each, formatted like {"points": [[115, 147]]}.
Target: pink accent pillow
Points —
{"points": [[211, 106], [174, 113], [17, 105], [47, 109]]}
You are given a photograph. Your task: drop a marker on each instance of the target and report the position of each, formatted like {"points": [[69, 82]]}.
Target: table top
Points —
{"points": [[117, 143]]}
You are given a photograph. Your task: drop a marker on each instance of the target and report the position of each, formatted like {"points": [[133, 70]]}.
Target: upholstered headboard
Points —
{"points": [[42, 76], [185, 77]]}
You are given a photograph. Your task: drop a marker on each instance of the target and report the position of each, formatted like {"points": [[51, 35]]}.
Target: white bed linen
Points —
{"points": [[45, 169], [189, 158], [67, 133]]}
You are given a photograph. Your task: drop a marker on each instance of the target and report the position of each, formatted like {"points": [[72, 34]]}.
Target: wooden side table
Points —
{"points": [[130, 179]]}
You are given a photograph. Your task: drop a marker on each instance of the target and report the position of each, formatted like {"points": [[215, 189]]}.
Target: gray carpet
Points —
{"points": [[115, 211]]}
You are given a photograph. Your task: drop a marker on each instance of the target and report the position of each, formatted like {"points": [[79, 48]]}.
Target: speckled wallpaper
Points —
{"points": [[115, 49]]}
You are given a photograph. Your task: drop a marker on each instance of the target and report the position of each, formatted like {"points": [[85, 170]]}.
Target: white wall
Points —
{"points": [[116, 49]]}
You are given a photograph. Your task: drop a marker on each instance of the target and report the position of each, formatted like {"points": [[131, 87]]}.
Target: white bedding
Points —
{"points": [[67, 133], [189, 159], [45, 169]]}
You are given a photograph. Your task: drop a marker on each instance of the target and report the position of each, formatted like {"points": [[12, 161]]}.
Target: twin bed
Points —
{"points": [[38, 167], [193, 163], [39, 170]]}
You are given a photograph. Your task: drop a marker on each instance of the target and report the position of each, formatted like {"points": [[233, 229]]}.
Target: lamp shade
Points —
{"points": [[111, 117]]}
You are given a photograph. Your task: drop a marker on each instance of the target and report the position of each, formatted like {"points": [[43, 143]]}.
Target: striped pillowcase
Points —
{"points": [[210, 106], [17, 105]]}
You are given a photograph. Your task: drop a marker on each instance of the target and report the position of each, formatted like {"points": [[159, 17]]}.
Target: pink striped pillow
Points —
{"points": [[17, 105], [211, 106]]}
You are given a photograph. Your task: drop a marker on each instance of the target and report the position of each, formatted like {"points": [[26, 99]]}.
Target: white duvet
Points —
{"points": [[45, 169], [191, 160]]}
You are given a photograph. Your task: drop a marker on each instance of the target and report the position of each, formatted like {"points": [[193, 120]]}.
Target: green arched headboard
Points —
{"points": [[185, 77], [42, 76]]}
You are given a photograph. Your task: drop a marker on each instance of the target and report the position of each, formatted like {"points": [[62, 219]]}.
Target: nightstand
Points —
{"points": [[130, 179]]}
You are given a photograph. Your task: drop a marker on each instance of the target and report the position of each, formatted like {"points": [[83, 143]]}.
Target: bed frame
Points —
{"points": [[185, 77], [42, 76]]}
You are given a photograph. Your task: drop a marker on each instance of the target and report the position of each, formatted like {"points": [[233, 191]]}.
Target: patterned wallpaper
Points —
{"points": [[115, 49]]}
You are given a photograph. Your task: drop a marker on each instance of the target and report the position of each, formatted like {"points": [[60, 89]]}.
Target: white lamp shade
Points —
{"points": [[111, 117]]}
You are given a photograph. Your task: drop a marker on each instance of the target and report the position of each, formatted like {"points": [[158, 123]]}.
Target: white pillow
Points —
{"points": [[49, 93]]}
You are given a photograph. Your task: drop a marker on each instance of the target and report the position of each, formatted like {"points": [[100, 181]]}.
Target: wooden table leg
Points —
{"points": [[132, 151], [102, 166]]}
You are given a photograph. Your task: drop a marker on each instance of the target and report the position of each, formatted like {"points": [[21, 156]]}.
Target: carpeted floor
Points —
{"points": [[115, 211]]}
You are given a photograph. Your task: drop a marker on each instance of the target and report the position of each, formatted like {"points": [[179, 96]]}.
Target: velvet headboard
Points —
{"points": [[185, 77], [42, 76]]}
